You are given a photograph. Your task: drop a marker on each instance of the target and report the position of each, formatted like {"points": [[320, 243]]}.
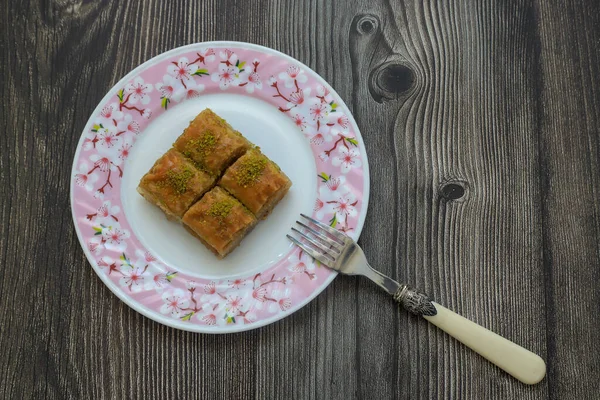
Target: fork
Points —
{"points": [[340, 252]]}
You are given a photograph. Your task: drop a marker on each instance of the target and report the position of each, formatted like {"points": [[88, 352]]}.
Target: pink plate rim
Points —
{"points": [[159, 291]]}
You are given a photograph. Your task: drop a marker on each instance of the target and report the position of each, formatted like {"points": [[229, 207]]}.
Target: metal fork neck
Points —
{"points": [[414, 301]]}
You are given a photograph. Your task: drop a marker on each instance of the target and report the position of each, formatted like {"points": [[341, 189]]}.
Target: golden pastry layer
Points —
{"points": [[182, 183]]}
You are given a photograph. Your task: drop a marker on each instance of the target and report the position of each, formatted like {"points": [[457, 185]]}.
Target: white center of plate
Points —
{"points": [[279, 139]]}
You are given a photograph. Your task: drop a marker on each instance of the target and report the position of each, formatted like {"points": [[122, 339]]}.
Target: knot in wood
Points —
{"points": [[367, 24], [452, 190], [390, 81], [395, 78]]}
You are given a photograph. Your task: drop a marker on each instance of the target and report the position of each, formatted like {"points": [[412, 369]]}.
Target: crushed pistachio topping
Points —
{"points": [[221, 209], [250, 170], [201, 145], [201, 167], [179, 179]]}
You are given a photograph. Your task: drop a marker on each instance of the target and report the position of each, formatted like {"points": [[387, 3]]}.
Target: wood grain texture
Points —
{"points": [[501, 99]]}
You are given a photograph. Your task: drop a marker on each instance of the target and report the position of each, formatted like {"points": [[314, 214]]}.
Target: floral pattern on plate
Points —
{"points": [[132, 271]]}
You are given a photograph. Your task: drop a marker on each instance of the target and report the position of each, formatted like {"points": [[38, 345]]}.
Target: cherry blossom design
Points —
{"points": [[297, 98], [209, 319], [301, 98], [293, 76], [159, 281], [191, 91], [332, 187], [157, 276], [109, 265], [105, 130], [107, 262], [194, 306], [282, 300], [108, 139], [249, 77], [254, 82], [320, 136], [345, 205], [114, 130], [168, 87], [336, 198], [344, 141], [124, 151], [260, 294], [233, 304], [133, 277], [318, 112], [102, 134], [94, 246], [190, 285], [342, 121], [300, 121], [301, 268], [144, 256], [84, 179], [174, 303], [236, 283], [228, 58], [106, 161], [134, 92], [248, 317], [114, 238], [205, 55], [302, 264], [319, 207], [105, 214], [226, 76], [324, 155], [323, 94], [284, 303], [111, 113], [101, 162], [210, 288], [182, 71], [180, 83], [346, 159], [138, 91], [128, 126]]}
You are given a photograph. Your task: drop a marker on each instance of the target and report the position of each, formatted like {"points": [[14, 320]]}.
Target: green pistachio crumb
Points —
{"points": [[221, 209], [179, 179], [202, 145], [250, 170]]}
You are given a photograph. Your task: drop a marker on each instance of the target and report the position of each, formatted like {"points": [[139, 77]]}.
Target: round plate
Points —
{"points": [[153, 264]]}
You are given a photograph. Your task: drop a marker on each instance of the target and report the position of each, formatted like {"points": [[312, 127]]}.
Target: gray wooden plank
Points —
{"points": [[313, 354], [479, 254], [66, 335], [569, 118], [503, 98]]}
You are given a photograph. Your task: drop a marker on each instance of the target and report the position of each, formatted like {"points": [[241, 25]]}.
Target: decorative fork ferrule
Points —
{"points": [[414, 301]]}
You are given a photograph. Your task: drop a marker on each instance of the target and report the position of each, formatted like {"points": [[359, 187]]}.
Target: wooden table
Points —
{"points": [[482, 125]]}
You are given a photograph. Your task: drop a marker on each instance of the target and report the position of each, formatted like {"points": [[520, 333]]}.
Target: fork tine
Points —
{"points": [[326, 250], [333, 232], [326, 240], [311, 252]]}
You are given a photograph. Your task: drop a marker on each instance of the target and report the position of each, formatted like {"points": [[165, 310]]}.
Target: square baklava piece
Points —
{"points": [[257, 182], [211, 143], [174, 184], [219, 220], [182, 183]]}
